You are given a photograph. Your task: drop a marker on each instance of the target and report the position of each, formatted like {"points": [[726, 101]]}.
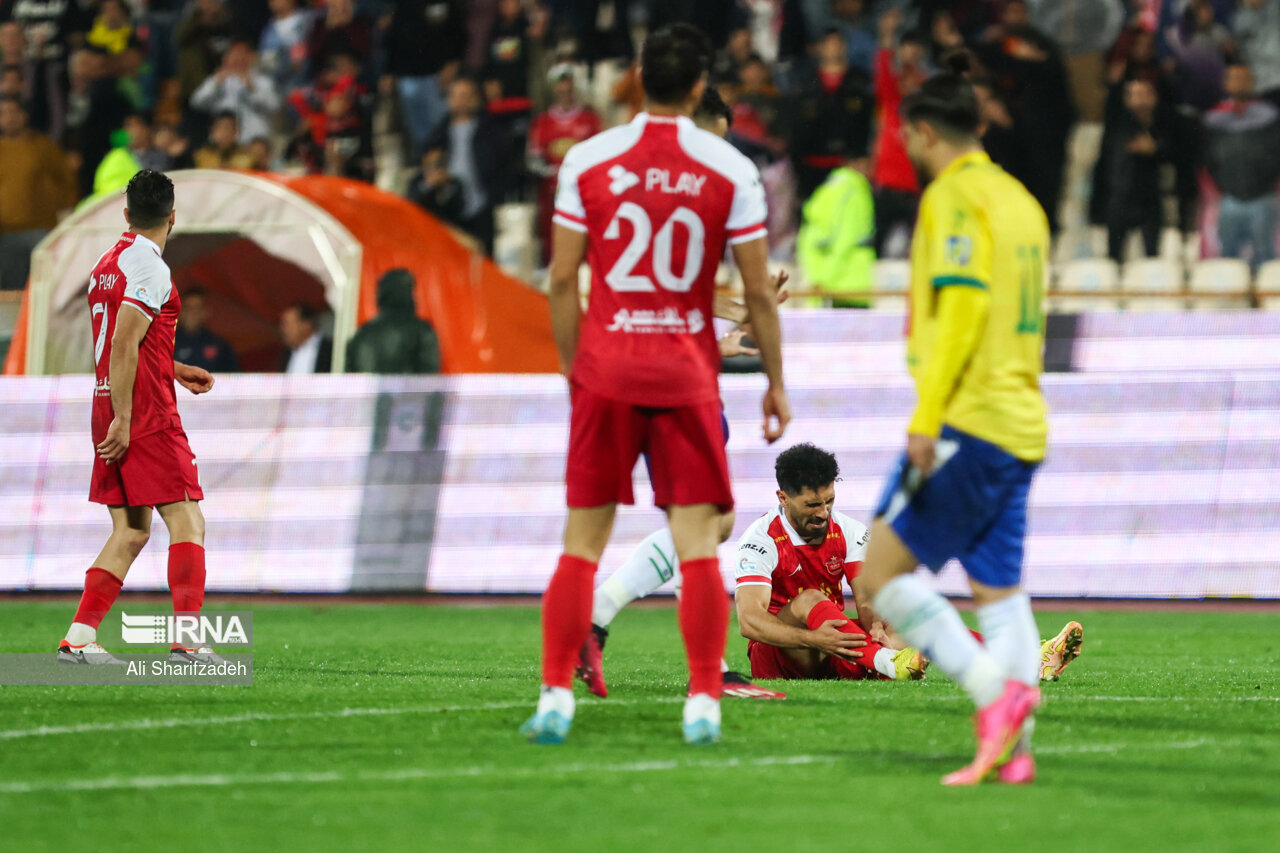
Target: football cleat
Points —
{"points": [[590, 670], [547, 729], [998, 726], [204, 654], [701, 720], [739, 686], [909, 665], [1058, 653], [90, 653], [1019, 770]]}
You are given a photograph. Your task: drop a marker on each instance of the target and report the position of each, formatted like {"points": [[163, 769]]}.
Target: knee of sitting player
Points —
{"points": [[803, 603]]}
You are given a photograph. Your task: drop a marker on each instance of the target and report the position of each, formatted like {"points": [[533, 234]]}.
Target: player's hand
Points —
{"points": [[731, 344], [829, 639], [780, 285], [920, 450], [113, 447], [777, 414], [197, 380]]}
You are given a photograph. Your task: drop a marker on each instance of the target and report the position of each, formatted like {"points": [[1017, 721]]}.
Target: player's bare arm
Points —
{"points": [[762, 312], [568, 247], [727, 308], [197, 380], [131, 326], [755, 622]]}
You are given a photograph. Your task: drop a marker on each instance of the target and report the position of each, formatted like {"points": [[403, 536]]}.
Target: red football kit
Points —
{"points": [[159, 466], [771, 553], [659, 200]]}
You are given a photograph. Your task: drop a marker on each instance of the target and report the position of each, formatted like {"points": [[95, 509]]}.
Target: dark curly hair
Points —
{"points": [[805, 466]]}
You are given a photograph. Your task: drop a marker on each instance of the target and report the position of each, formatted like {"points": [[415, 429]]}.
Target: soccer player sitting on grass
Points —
{"points": [[789, 566]]}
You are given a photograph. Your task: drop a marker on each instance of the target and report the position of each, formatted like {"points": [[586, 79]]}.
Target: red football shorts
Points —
{"points": [[772, 662], [156, 469], [684, 445]]}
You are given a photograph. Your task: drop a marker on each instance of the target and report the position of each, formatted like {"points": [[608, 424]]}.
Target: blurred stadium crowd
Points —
{"points": [[1145, 127]]}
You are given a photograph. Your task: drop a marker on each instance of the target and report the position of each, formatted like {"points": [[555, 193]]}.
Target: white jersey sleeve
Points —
{"points": [[569, 209], [749, 210], [757, 555], [856, 536], [147, 282]]}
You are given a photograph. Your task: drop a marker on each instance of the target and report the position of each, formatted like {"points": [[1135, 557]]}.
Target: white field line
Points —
{"points": [[505, 771], [232, 719]]}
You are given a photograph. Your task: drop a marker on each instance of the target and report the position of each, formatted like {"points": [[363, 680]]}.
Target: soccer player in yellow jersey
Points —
{"points": [[974, 349]]}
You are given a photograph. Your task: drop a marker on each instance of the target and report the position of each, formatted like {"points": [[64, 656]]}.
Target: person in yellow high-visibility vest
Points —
{"points": [[836, 244]]}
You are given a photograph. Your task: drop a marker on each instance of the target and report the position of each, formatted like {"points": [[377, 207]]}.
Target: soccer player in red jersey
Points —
{"points": [[142, 457], [652, 205], [790, 565]]}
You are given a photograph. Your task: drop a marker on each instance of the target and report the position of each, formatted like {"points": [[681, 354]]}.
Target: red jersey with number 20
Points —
{"points": [[659, 200], [133, 277], [771, 553]]}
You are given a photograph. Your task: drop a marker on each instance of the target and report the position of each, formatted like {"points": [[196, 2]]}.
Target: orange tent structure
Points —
{"points": [[257, 243]]}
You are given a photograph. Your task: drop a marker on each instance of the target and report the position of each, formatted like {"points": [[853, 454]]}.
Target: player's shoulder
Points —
{"points": [[141, 257], [716, 154], [603, 147], [854, 531], [759, 535]]}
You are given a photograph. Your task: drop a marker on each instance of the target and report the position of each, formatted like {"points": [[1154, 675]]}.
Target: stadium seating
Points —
{"points": [[1268, 282], [1225, 276], [1153, 275], [1081, 277]]}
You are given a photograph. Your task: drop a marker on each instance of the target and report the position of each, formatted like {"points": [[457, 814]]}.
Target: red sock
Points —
{"points": [[566, 618], [100, 591], [704, 622], [186, 577], [825, 611]]}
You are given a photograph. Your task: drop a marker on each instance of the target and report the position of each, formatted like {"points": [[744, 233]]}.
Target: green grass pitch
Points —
{"points": [[393, 727]]}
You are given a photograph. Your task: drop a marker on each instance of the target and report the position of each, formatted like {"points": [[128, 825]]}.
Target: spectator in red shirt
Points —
{"points": [[565, 123], [899, 68]]}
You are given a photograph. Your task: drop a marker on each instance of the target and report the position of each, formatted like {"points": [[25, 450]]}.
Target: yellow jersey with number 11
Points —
{"points": [[979, 227]]}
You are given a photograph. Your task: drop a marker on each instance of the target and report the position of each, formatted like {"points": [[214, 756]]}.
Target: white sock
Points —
{"points": [[700, 706], [79, 634], [931, 624], [556, 699], [884, 663], [1010, 634], [650, 565]]}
